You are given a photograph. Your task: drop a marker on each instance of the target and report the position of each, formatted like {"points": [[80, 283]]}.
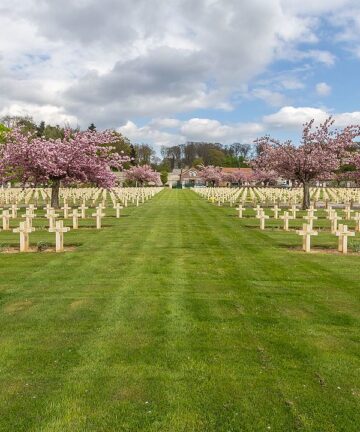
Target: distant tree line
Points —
{"points": [[204, 153]]}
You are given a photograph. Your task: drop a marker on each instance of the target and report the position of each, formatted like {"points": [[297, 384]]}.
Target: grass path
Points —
{"points": [[179, 317]]}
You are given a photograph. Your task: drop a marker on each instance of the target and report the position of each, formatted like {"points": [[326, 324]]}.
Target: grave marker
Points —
{"points": [[59, 231], [306, 233]]}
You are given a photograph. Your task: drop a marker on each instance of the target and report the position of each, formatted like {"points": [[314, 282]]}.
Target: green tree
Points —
{"points": [[164, 177], [3, 130], [197, 161], [40, 129]]}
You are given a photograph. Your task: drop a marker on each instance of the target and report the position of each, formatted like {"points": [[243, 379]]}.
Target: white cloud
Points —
{"points": [[49, 113], [272, 98], [150, 134], [323, 89], [200, 129], [166, 132], [290, 117], [195, 129], [108, 61]]}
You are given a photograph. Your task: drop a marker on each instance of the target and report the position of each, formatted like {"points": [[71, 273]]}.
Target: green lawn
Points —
{"points": [[179, 317]]}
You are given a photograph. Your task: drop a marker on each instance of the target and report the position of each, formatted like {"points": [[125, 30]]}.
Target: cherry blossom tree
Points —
{"points": [[79, 157], [142, 174], [321, 151], [264, 176], [243, 176], [211, 174], [354, 161], [229, 177]]}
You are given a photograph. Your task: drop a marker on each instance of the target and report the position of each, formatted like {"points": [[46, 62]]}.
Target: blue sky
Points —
{"points": [[166, 72]]}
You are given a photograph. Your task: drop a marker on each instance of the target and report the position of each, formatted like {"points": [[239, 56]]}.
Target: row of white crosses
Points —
{"points": [[25, 230], [342, 233], [308, 231], [91, 196], [266, 196], [57, 226]]}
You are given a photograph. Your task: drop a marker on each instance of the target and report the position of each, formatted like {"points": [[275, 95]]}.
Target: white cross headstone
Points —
{"points": [[306, 233], [293, 211], [258, 210], [334, 218], [14, 209], [75, 218], [47, 209], [262, 216], [310, 219], [118, 207], [99, 215], [356, 218], [240, 209], [343, 233], [66, 209], [6, 220], [52, 216], [83, 209], [276, 211], [286, 217], [59, 231], [348, 211], [24, 230]]}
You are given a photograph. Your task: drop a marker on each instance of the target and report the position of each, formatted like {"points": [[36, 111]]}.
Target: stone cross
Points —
{"points": [[118, 207], [240, 209], [348, 211], [312, 207], [276, 211], [66, 209], [329, 209], [99, 215], [52, 216], [343, 233], [47, 208], [293, 211], [310, 219], [24, 230], [306, 233], [286, 217], [32, 209], [258, 210], [262, 216], [29, 216], [83, 209], [59, 231], [75, 218], [334, 218], [5, 220], [356, 218], [14, 209]]}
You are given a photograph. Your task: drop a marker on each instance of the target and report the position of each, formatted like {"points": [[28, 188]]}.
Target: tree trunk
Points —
{"points": [[306, 197], [55, 194]]}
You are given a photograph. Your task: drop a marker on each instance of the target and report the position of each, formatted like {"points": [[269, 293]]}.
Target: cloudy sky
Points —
{"points": [[169, 71]]}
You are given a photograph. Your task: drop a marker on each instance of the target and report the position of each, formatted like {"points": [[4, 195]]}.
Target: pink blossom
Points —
{"points": [[143, 174], [211, 174], [78, 157], [319, 155]]}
